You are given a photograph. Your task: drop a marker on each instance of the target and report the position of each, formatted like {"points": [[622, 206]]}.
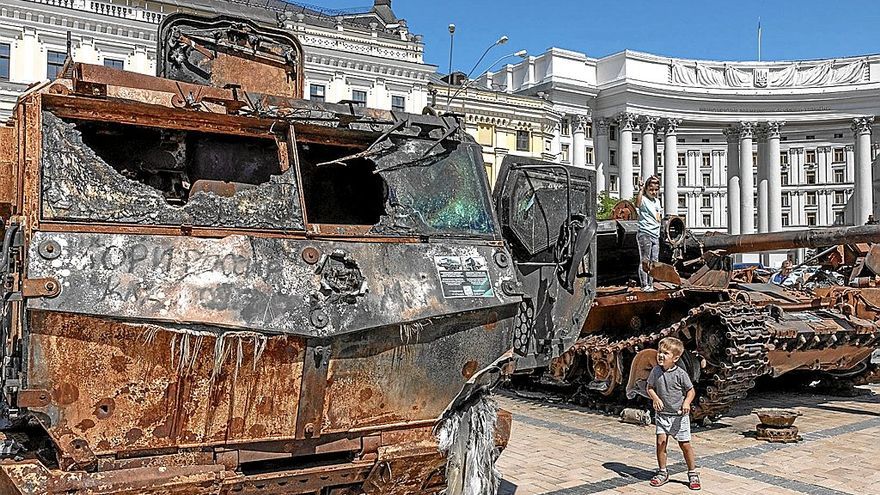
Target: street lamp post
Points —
{"points": [[521, 54], [451, 43]]}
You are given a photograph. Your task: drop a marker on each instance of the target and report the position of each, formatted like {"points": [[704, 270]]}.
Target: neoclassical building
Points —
{"points": [[365, 55], [740, 146]]}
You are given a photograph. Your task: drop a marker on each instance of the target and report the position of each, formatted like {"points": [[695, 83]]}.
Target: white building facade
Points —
{"points": [[366, 56], [739, 146]]}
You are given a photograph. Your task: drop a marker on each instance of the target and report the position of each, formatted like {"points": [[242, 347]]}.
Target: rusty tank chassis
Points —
{"points": [[216, 290], [734, 332]]}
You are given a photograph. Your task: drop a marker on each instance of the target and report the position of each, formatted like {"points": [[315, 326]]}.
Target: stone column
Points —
{"points": [[733, 207], [670, 169], [601, 155], [864, 194], [578, 140], [774, 177], [746, 180], [761, 139], [649, 147], [626, 123]]}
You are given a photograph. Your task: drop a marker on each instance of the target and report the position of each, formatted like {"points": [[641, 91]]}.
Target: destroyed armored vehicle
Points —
{"points": [[735, 329], [214, 286]]}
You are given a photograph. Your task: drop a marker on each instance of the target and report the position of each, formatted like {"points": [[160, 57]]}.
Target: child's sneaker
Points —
{"points": [[660, 478], [693, 480]]}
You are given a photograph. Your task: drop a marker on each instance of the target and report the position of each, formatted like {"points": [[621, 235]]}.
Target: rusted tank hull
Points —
{"points": [[211, 407]]}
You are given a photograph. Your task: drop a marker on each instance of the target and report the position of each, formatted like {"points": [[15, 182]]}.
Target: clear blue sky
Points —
{"points": [[708, 29]]}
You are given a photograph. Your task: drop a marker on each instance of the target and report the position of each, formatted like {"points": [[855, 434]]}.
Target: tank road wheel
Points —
{"points": [[606, 370], [639, 369]]}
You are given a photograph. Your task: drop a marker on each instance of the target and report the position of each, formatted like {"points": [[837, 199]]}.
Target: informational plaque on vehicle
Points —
{"points": [[464, 276]]}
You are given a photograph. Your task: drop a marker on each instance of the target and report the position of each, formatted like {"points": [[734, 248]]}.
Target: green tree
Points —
{"points": [[605, 206]]}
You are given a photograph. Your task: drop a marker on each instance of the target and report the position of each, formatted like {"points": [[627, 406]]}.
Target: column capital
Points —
{"points": [[848, 147], [732, 134], [648, 124], [581, 122], [823, 149], [670, 126], [862, 125], [774, 128], [602, 126], [746, 130], [627, 121]]}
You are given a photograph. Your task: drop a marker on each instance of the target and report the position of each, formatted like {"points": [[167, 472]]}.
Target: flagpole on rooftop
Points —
{"points": [[759, 39]]}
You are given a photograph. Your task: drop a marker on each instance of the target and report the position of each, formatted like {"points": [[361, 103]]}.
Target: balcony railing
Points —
{"points": [[108, 9]]}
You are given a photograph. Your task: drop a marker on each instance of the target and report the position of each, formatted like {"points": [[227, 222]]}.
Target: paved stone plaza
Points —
{"points": [[566, 450]]}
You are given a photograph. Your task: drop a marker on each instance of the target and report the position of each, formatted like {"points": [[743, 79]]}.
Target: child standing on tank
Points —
{"points": [[648, 237], [672, 391]]}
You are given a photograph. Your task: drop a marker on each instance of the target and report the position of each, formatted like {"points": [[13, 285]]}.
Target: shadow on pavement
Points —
{"points": [[629, 471]]}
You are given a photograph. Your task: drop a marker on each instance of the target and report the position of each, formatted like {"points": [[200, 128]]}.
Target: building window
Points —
{"points": [[811, 219], [637, 159], [707, 160], [704, 140], [811, 198], [838, 135], [784, 177], [589, 153], [682, 201], [785, 220], [317, 92], [838, 218], [565, 157], [810, 136], [839, 156], [54, 63], [839, 197], [359, 97], [522, 140], [398, 103], [838, 176], [565, 127], [682, 160], [4, 61], [636, 181], [612, 157], [783, 158], [810, 156], [588, 129], [114, 63], [754, 159], [659, 161], [681, 179], [786, 199], [707, 201], [612, 132], [811, 176], [613, 179], [707, 220], [707, 179]]}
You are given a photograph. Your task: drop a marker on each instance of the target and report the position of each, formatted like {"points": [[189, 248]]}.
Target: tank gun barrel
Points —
{"points": [[808, 238]]}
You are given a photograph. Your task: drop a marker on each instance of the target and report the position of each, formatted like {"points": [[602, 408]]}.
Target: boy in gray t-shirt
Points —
{"points": [[672, 391]]}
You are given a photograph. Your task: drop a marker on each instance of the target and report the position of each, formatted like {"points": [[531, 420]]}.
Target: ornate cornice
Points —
{"points": [[862, 125]]}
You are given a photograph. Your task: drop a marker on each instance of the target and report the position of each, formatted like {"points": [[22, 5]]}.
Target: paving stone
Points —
{"points": [[566, 450]]}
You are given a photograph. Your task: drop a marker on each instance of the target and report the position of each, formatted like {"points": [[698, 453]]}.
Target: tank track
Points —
{"points": [[735, 351], [735, 360]]}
